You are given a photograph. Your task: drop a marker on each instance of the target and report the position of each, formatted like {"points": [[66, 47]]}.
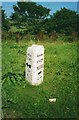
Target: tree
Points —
{"points": [[5, 22], [49, 25], [29, 10], [29, 13], [65, 21]]}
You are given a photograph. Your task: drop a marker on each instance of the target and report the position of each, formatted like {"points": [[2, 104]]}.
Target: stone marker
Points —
{"points": [[35, 64]]}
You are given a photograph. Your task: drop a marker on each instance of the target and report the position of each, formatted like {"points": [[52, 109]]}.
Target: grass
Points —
{"points": [[21, 100]]}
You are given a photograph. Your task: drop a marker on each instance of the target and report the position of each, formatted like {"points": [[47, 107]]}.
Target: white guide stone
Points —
{"points": [[35, 64]]}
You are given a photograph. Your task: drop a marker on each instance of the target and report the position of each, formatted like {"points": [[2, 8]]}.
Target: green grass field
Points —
{"points": [[21, 100]]}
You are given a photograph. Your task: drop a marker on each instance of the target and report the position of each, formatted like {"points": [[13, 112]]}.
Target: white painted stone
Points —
{"points": [[35, 64]]}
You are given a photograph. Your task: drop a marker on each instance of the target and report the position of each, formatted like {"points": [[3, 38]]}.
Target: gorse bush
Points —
{"points": [[35, 38]]}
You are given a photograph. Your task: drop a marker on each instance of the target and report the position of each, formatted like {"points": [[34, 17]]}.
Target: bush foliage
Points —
{"points": [[31, 18]]}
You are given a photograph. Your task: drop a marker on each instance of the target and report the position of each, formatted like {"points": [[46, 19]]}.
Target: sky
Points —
{"points": [[54, 6]]}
